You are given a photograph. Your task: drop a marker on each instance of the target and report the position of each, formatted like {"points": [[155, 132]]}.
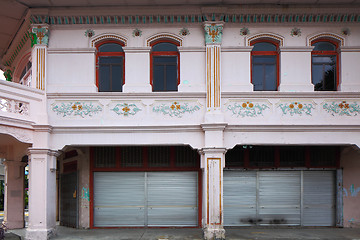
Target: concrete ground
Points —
{"points": [[246, 233]]}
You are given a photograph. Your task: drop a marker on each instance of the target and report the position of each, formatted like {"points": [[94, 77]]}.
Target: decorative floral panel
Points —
{"points": [[125, 109], [76, 108], [347, 108], [296, 108], [246, 108], [176, 108]]}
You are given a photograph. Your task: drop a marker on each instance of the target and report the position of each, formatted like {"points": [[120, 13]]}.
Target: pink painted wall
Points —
{"points": [[350, 162]]}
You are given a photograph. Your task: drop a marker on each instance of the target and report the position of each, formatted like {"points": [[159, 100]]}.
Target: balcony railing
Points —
{"points": [[20, 102]]}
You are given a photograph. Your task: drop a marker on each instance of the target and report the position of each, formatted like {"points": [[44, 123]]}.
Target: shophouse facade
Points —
{"points": [[186, 115]]}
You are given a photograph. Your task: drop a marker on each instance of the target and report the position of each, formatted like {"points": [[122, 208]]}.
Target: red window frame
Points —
{"points": [[102, 54], [169, 53], [328, 53], [266, 53]]}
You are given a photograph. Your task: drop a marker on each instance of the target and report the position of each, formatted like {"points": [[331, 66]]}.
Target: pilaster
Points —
{"points": [[212, 163], [213, 37], [42, 193], [39, 44], [14, 194]]}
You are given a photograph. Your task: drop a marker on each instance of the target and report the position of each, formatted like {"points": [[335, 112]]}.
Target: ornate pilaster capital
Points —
{"points": [[39, 34], [213, 32]]}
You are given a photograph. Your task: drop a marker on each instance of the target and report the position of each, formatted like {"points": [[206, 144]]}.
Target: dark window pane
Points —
{"points": [[159, 78], [171, 78], [235, 157], [324, 46], [164, 47], [264, 46], [165, 73], [131, 157], [186, 157], [324, 73], [323, 156], [110, 47], [258, 73], [292, 156], [323, 59], [116, 80], [110, 74], [262, 156], [270, 78], [159, 156], [104, 78], [104, 157], [264, 73], [264, 59]]}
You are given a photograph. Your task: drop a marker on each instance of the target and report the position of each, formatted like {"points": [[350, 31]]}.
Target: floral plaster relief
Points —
{"points": [[342, 108], [176, 108], [73, 108], [247, 108]]}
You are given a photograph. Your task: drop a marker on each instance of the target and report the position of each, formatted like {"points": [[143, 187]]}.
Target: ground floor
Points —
{"points": [[166, 186], [233, 233], [179, 186]]}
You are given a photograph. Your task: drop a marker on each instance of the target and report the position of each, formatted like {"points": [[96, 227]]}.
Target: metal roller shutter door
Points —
{"points": [[119, 199], [279, 197], [288, 198], [239, 198], [319, 198], [145, 199], [172, 198]]}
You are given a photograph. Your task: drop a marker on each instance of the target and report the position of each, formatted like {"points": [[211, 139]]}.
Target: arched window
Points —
{"points": [[324, 65], [265, 65], [110, 72], [164, 65]]}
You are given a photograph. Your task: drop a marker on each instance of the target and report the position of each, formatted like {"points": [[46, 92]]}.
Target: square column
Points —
{"points": [[349, 80], [14, 194], [137, 70], [212, 163], [295, 70], [42, 193]]}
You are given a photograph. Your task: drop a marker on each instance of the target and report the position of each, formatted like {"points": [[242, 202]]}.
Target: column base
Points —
{"points": [[39, 234], [14, 224], [214, 233]]}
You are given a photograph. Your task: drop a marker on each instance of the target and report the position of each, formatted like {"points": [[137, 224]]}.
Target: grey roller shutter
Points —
{"points": [[239, 198], [279, 197], [319, 198], [119, 199], [172, 198]]}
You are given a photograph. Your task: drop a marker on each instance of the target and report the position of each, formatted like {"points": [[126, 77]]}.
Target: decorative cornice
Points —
{"points": [[237, 49], [293, 128], [125, 129], [349, 49], [137, 49], [296, 49], [42, 128], [192, 49], [200, 18], [44, 151], [71, 50]]}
